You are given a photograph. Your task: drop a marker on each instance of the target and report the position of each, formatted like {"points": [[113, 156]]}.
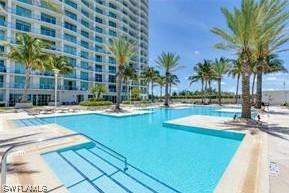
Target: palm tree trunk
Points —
{"points": [[202, 91], [161, 92], [219, 91], [152, 88], [26, 86], [205, 92], [253, 88], [118, 94], [209, 93], [259, 90], [246, 106], [127, 91], [167, 90], [237, 89]]}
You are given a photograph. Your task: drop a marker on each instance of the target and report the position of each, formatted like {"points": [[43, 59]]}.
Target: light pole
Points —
{"points": [[56, 72], [130, 82]]}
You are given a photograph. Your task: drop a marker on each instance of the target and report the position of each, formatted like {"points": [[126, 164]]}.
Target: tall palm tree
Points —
{"points": [[29, 52], [236, 72], [198, 75], [272, 37], [169, 62], [275, 64], [123, 51], [173, 80], [221, 67], [161, 80], [150, 76], [129, 74], [240, 36], [61, 64], [98, 90]]}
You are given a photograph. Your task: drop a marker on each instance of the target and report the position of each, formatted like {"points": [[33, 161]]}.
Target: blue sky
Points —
{"points": [[183, 27]]}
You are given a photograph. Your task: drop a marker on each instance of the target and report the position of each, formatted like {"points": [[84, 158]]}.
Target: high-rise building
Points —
{"points": [[79, 30]]}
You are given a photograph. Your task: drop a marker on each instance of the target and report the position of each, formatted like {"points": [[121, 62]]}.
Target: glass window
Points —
{"points": [[84, 44], [70, 15], [70, 38], [98, 58], [69, 49], [111, 79], [70, 3], [98, 20], [46, 83], [85, 34], [84, 75], [112, 69], [85, 13], [112, 33], [98, 10], [84, 54], [111, 60], [98, 77], [47, 31], [2, 20], [112, 88], [84, 86], [98, 39], [85, 23], [19, 81], [23, 12], [2, 35], [113, 15], [70, 26], [71, 61], [48, 18], [23, 26], [112, 24], [98, 68], [98, 29]]}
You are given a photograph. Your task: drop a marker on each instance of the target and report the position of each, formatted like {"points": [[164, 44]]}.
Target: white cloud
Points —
{"points": [[197, 52]]}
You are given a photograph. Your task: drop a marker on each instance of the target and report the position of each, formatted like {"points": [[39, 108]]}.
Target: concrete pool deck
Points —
{"points": [[247, 172]]}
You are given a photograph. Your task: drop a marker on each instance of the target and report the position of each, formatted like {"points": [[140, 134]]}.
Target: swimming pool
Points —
{"points": [[189, 161]]}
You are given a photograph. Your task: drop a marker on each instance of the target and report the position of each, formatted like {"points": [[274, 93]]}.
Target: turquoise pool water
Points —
{"points": [[189, 161]]}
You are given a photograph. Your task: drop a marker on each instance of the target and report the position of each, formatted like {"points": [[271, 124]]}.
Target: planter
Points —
{"points": [[23, 105]]}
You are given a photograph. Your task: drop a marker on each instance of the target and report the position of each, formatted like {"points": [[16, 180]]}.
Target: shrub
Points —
{"points": [[96, 103]]}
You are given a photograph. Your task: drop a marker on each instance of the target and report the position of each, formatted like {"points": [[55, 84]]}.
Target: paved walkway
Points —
{"points": [[277, 127]]}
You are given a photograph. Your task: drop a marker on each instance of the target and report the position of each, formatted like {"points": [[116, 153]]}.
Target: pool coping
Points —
{"points": [[240, 176], [227, 184]]}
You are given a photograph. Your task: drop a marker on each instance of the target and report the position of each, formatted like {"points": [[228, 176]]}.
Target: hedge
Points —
{"points": [[96, 103]]}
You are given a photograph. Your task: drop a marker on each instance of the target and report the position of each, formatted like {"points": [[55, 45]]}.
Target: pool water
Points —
{"points": [[191, 162]]}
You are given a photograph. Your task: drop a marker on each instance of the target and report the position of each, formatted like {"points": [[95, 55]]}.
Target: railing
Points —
{"points": [[12, 146]]}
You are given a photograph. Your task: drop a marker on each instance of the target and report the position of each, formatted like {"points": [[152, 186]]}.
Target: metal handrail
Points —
{"points": [[7, 151]]}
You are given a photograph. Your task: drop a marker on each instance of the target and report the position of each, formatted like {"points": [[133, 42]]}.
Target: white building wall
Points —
{"points": [[279, 97]]}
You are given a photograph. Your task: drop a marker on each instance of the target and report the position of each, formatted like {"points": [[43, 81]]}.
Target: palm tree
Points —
{"points": [[129, 74], [150, 76], [61, 64], [221, 67], [198, 75], [236, 72], [123, 51], [272, 37], [29, 52], [161, 80], [173, 80], [169, 62], [241, 36], [98, 90]]}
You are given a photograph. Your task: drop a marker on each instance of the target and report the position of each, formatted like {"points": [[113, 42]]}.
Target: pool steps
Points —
{"points": [[91, 170]]}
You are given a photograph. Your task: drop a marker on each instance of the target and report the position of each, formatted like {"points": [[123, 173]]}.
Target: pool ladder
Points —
{"points": [[13, 146]]}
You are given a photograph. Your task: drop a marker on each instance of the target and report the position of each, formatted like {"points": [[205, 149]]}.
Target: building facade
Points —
{"points": [[80, 32]]}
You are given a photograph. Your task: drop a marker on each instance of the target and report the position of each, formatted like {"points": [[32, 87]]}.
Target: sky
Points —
{"points": [[183, 27]]}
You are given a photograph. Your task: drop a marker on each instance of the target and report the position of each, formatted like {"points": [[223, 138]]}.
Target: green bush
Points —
{"points": [[96, 103], [96, 99]]}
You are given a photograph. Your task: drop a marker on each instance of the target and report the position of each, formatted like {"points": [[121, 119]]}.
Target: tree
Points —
{"points": [[129, 74], [59, 63], [98, 90], [135, 93], [198, 75], [221, 67], [150, 76], [161, 80], [240, 36], [236, 72], [173, 80], [169, 62], [272, 36], [123, 51], [29, 52]]}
